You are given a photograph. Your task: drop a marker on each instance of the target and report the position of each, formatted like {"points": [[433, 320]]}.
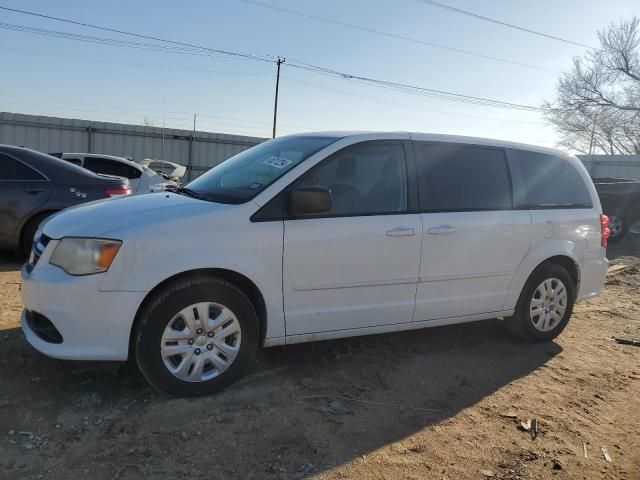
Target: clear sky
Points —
{"points": [[51, 76]]}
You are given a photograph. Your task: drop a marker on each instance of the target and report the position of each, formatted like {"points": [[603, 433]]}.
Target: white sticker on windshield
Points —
{"points": [[277, 162]]}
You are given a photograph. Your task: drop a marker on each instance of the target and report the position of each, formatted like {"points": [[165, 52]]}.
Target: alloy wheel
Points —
{"points": [[548, 304], [200, 342]]}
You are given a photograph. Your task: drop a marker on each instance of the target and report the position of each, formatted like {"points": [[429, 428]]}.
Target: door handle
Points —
{"points": [[441, 230], [33, 191], [401, 232]]}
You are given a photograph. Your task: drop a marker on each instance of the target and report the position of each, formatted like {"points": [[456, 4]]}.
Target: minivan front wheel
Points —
{"points": [[545, 304], [195, 336]]}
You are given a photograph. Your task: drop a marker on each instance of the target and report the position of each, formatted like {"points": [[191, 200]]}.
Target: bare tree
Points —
{"points": [[149, 122], [597, 108]]}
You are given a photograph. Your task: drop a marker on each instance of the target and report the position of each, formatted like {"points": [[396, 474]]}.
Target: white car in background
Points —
{"points": [[169, 170], [143, 178]]}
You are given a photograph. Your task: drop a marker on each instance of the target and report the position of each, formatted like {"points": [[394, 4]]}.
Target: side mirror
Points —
{"points": [[309, 200]]}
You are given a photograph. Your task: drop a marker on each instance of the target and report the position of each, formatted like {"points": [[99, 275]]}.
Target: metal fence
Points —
{"points": [[616, 166], [198, 151]]}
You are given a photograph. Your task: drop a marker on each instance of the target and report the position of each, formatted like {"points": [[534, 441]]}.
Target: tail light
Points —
{"points": [[604, 229], [117, 191]]}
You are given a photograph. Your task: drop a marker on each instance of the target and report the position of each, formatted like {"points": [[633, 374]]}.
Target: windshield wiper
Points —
{"points": [[208, 197], [190, 193]]}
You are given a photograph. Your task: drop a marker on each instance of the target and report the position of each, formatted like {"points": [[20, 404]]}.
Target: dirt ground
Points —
{"points": [[436, 403]]}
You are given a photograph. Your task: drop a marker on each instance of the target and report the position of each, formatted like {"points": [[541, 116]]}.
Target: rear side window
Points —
{"points": [[75, 161], [7, 165], [455, 177], [547, 181], [11, 169], [25, 172]]}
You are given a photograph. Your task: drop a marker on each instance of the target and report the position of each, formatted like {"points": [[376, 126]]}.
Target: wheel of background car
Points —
{"points": [[29, 231], [618, 227], [545, 304], [195, 336]]}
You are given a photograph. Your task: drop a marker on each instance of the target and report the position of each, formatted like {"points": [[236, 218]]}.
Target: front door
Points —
{"points": [[355, 266]]}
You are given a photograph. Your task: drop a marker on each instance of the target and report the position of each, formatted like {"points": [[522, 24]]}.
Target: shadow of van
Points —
{"points": [[277, 417]]}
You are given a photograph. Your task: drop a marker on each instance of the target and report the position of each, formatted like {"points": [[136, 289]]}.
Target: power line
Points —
{"points": [[102, 40], [150, 111], [119, 108], [396, 36], [416, 90], [405, 105], [248, 56], [288, 77], [429, 92], [113, 117], [499, 22], [137, 65]]}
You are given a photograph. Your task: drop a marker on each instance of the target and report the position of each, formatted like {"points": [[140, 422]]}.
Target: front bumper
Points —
{"points": [[94, 325]]}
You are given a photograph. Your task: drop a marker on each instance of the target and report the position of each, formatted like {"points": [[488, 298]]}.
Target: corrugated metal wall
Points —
{"points": [[615, 166], [53, 134]]}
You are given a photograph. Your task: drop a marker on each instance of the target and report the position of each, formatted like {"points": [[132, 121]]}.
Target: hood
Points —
{"points": [[103, 216]]}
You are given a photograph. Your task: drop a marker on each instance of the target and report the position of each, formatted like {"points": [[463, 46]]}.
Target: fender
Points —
{"points": [[544, 251], [151, 254]]}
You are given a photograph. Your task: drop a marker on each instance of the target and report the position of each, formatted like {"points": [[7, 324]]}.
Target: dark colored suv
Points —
{"points": [[33, 186], [620, 198]]}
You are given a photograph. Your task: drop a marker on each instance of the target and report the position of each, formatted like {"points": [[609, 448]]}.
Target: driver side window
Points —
{"points": [[364, 179]]}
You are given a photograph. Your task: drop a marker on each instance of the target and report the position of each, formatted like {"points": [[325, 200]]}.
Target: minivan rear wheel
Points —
{"points": [[545, 304], [196, 336]]}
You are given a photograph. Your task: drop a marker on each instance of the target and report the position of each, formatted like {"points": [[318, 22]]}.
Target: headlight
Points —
{"points": [[84, 256]]}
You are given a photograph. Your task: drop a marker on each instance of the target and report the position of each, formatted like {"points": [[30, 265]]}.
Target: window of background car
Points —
{"points": [[111, 167], [160, 168], [363, 180], [243, 176], [75, 161], [462, 178], [131, 172], [7, 165], [548, 181]]}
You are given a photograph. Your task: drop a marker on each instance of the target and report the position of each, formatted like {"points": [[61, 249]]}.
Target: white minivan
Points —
{"points": [[311, 237]]}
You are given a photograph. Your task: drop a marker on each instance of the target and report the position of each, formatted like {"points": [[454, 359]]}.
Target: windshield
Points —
{"points": [[245, 175]]}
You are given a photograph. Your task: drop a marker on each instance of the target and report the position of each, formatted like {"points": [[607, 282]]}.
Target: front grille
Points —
{"points": [[43, 327], [40, 244], [44, 241], [37, 249]]}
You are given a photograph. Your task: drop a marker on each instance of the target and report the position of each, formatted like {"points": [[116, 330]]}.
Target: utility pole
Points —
{"points": [[192, 148], [593, 132], [163, 110], [275, 105]]}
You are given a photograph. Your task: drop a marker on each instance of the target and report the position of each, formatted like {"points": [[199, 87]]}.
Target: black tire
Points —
{"points": [[29, 231], [159, 311], [624, 229], [520, 324]]}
